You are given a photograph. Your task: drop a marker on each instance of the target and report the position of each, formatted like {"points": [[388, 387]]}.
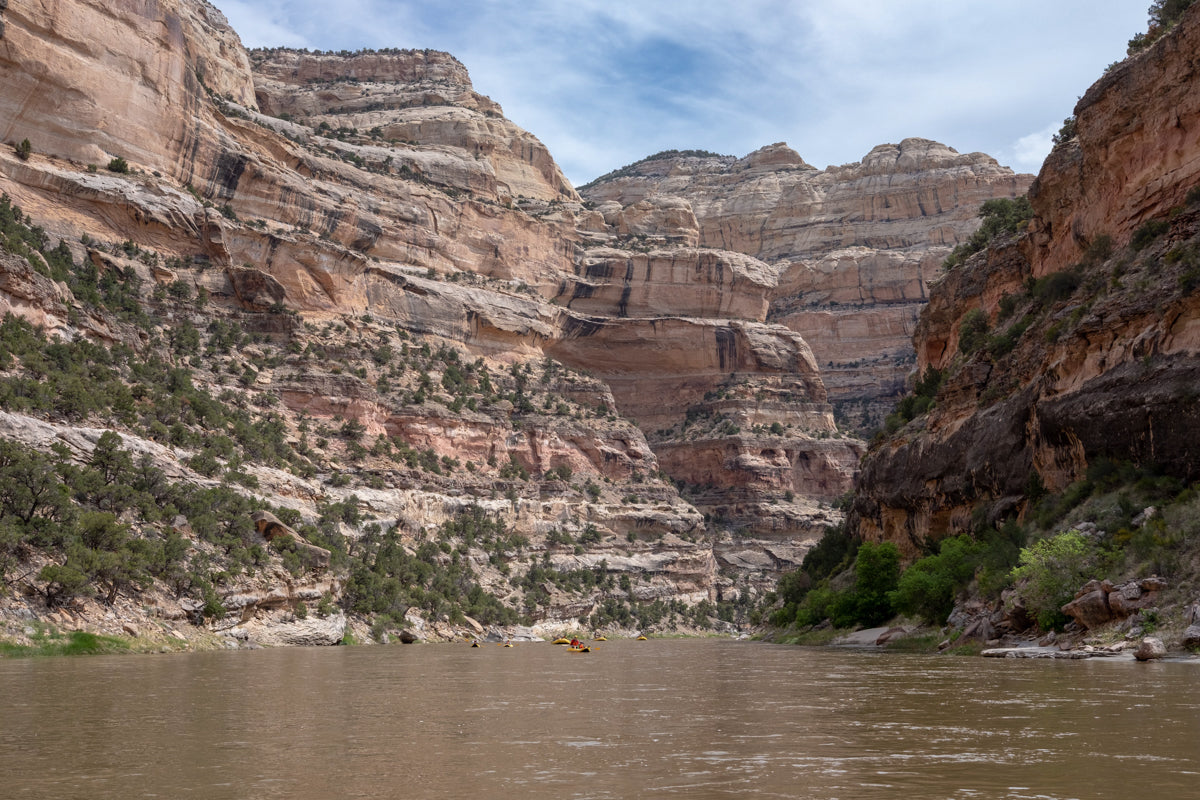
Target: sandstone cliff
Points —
{"points": [[849, 250], [397, 286], [839, 256], [340, 206], [422, 98], [1073, 342]]}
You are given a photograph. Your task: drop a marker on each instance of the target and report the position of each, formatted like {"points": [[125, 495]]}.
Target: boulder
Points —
{"points": [[1100, 602], [1123, 600], [272, 528], [1015, 616], [1147, 514], [407, 637], [308, 632], [979, 628], [1191, 637], [1153, 584], [181, 526], [1150, 649], [1090, 610]]}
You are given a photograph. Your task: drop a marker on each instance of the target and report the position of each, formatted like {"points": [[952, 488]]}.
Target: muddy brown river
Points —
{"points": [[655, 719]]}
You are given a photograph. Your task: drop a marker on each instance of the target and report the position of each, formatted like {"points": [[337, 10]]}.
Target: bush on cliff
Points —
{"points": [[1163, 16], [1000, 216], [876, 576], [920, 400], [868, 602]]}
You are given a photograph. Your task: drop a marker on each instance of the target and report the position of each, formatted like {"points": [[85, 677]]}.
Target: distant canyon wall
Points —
{"points": [[850, 250]]}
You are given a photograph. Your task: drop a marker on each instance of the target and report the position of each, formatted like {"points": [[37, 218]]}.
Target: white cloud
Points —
{"points": [[258, 26], [1027, 153], [605, 82]]}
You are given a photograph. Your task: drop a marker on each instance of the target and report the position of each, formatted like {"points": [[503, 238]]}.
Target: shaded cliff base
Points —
{"points": [[1091, 572]]}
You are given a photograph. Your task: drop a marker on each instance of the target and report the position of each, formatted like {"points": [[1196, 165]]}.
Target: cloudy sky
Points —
{"points": [[606, 83]]}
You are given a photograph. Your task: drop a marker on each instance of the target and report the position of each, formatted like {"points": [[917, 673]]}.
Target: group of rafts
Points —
{"points": [[573, 645]]}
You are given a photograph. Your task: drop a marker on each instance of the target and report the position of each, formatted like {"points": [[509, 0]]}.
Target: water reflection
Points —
{"points": [[695, 719]]}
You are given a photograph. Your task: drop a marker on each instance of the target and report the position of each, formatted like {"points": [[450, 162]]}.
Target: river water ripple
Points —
{"points": [[656, 719]]}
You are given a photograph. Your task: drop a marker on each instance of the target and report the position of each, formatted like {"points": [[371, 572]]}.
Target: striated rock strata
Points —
{"points": [[842, 256], [641, 370]]}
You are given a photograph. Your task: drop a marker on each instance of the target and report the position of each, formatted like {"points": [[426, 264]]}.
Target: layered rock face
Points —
{"points": [[1091, 322], [850, 249], [621, 369], [381, 195], [421, 97], [94, 80], [841, 257]]}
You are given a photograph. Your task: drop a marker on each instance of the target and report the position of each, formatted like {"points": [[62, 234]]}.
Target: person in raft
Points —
{"points": [[574, 643]]}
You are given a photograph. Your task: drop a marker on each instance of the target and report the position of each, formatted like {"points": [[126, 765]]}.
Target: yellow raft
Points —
{"points": [[562, 641], [579, 649]]}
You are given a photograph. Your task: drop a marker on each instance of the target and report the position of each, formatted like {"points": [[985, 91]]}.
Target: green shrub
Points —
{"points": [[23, 150], [1000, 216], [63, 583], [1052, 508], [1008, 305], [928, 587], [876, 575], [1099, 250], [1066, 133], [118, 164], [1163, 16], [1147, 232], [1049, 573], [1056, 286], [1003, 343], [972, 331]]}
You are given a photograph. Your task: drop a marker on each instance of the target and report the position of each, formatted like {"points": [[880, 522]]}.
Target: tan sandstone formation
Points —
{"points": [[852, 247], [422, 97], [400, 256]]}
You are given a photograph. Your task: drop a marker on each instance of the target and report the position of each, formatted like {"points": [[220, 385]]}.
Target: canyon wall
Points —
{"points": [[849, 250], [653, 367], [1090, 319]]}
